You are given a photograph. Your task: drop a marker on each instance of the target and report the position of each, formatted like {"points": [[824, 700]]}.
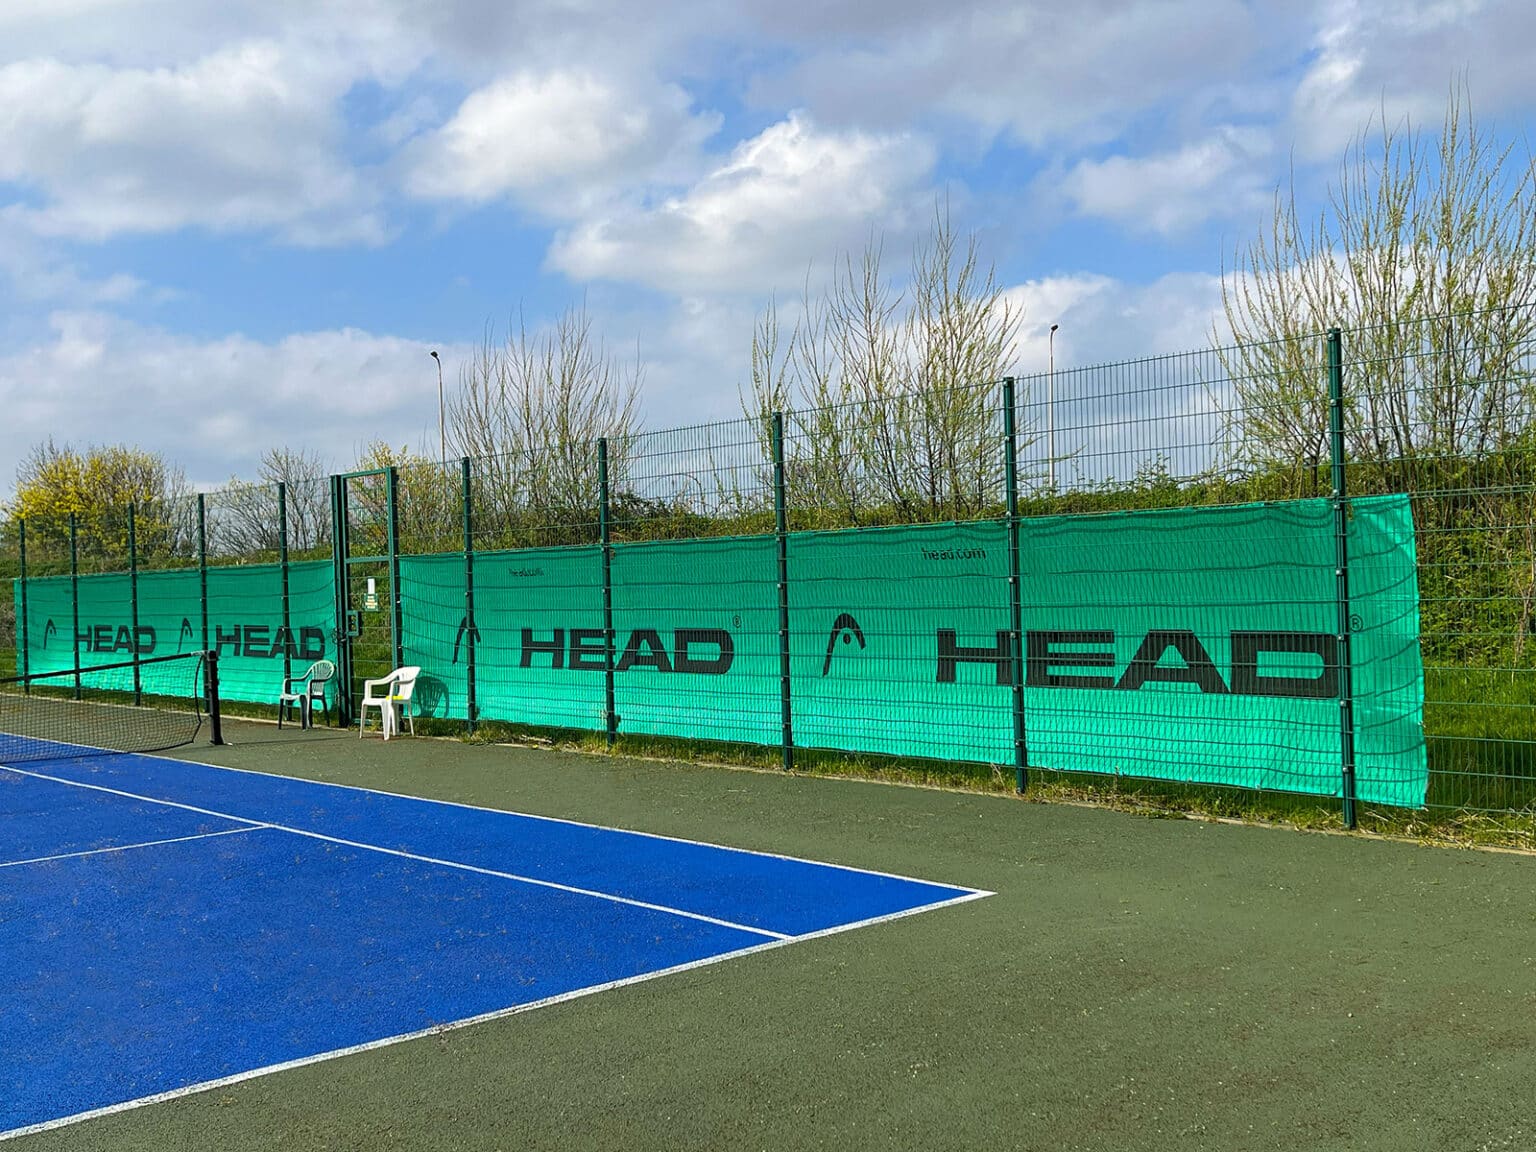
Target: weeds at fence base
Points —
{"points": [[1443, 822]]}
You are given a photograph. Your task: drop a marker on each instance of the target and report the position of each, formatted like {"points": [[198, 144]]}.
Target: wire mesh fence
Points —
{"points": [[1442, 410], [1308, 566]]}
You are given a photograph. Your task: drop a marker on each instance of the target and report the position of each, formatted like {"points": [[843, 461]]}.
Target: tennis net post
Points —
{"points": [[211, 683]]}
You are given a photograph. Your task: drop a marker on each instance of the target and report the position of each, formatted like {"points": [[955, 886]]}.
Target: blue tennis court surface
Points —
{"points": [[167, 925]]}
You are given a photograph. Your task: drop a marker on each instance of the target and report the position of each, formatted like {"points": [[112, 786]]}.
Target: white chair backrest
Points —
{"points": [[405, 681]]}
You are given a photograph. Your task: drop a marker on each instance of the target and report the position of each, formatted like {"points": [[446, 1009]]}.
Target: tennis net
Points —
{"points": [[148, 705]]}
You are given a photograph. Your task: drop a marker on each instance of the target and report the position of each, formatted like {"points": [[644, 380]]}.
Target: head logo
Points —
{"points": [[186, 633], [846, 627], [465, 629], [49, 629]]}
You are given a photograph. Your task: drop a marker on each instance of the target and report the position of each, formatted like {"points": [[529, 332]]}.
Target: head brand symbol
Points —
{"points": [[465, 629], [186, 633], [846, 627], [49, 630]]}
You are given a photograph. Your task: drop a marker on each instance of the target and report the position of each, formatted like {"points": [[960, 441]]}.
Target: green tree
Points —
{"points": [[427, 503], [10, 568], [1426, 253], [97, 486]]}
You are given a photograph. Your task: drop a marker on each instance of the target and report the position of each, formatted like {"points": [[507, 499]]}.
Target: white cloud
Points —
{"points": [[1102, 319], [1108, 410], [1399, 58], [697, 358], [1222, 175], [123, 117], [118, 32], [1032, 70], [34, 273], [214, 406], [785, 197], [364, 37], [557, 139], [245, 138]]}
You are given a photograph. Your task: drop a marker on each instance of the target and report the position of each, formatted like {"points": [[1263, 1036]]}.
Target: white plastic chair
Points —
{"points": [[392, 699]]}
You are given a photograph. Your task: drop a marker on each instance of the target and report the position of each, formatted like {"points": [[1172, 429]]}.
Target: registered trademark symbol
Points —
{"points": [[735, 621], [1355, 624]]}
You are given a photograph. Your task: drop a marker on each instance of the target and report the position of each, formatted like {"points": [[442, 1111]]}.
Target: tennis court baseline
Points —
{"points": [[168, 926]]}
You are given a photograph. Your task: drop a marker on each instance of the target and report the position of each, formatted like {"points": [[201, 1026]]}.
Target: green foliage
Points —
{"points": [[1426, 252], [97, 487], [10, 568]]}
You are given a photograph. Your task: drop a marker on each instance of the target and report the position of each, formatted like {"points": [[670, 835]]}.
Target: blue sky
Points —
{"points": [[228, 226]]}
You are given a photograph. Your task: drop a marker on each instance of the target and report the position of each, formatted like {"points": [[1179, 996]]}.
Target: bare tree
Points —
{"points": [[891, 396], [530, 411], [1426, 252], [244, 516]]}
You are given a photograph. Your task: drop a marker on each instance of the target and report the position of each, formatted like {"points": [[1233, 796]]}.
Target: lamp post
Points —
{"points": [[1050, 405], [442, 439]]}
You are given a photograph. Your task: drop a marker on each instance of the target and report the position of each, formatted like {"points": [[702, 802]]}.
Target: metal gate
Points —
{"points": [[365, 527]]}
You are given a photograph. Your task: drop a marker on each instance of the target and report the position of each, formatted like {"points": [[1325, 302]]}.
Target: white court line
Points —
{"points": [[609, 896], [454, 1025], [564, 820], [129, 847], [777, 940]]}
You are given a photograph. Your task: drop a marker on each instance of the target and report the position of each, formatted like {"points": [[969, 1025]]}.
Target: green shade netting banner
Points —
{"points": [[697, 633], [538, 616], [1190, 644], [245, 622], [1199, 644], [1185, 644], [695, 627], [866, 610], [106, 635]]}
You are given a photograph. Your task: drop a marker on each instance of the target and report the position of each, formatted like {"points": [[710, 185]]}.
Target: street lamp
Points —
{"points": [[442, 440], [1050, 406]]}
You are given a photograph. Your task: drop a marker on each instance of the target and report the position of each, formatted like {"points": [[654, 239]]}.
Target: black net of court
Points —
{"points": [[148, 705]]}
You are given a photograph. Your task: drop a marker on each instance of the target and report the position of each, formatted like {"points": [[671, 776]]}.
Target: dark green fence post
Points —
{"points": [[24, 661], [469, 633], [133, 601], [340, 550], [781, 530], [610, 720], [1341, 570], [396, 621], [202, 565], [1015, 595], [282, 563], [74, 596]]}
